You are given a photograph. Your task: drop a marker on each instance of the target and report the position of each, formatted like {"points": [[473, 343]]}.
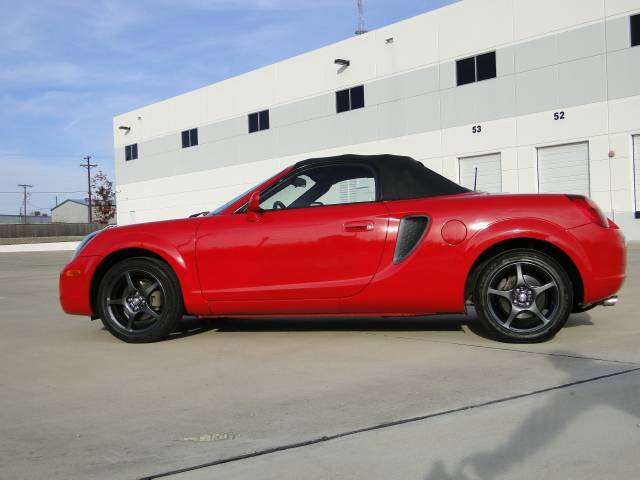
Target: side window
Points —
{"points": [[320, 186], [355, 190], [291, 191]]}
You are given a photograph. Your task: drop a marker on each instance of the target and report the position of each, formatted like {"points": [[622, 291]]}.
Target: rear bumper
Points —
{"points": [[75, 285], [603, 271]]}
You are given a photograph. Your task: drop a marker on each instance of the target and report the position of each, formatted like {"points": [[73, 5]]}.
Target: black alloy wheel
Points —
{"points": [[523, 296], [139, 300]]}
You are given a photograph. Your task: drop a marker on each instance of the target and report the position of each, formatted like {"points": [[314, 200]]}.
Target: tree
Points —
{"points": [[104, 198]]}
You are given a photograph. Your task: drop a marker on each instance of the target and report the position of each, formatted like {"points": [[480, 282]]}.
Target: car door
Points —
{"points": [[321, 235]]}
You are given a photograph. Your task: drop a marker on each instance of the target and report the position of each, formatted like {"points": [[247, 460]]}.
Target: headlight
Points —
{"points": [[85, 241]]}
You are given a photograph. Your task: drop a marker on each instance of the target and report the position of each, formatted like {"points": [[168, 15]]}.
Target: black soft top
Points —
{"points": [[400, 178]]}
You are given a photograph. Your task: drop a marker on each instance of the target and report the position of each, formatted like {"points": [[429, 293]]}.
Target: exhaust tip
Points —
{"points": [[610, 302]]}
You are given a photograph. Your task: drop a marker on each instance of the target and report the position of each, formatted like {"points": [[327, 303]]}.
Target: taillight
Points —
{"points": [[590, 210]]}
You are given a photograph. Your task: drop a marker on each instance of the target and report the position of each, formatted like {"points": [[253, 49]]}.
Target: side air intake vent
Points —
{"points": [[412, 229]]}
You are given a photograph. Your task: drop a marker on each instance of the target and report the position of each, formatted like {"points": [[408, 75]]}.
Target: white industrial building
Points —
{"points": [[538, 96]]}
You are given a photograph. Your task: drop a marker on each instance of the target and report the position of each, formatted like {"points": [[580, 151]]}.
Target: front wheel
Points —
{"points": [[523, 296], [139, 300]]}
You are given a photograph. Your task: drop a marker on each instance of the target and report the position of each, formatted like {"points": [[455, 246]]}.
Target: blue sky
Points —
{"points": [[67, 67]]}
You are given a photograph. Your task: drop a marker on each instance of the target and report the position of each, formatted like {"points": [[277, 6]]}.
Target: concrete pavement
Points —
{"points": [[77, 403], [38, 247]]}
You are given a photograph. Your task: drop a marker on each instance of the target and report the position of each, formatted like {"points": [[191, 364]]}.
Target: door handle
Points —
{"points": [[358, 226]]}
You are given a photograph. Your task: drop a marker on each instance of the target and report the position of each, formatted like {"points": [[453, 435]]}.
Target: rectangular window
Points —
{"points": [[635, 30], [259, 121], [476, 69], [466, 70], [190, 138], [350, 99], [253, 123], [343, 104], [357, 97], [486, 66], [131, 152], [263, 120]]}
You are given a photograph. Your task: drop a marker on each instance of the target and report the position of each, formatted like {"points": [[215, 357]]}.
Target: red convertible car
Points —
{"points": [[355, 236]]}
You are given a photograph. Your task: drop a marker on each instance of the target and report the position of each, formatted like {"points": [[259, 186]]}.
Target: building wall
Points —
{"points": [[570, 56], [70, 212], [74, 212]]}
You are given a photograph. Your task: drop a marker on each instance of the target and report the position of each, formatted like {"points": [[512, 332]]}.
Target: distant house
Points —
{"points": [[73, 211]]}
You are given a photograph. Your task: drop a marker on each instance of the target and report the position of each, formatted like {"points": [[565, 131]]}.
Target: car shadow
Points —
{"points": [[312, 324], [435, 323], [539, 430], [579, 320]]}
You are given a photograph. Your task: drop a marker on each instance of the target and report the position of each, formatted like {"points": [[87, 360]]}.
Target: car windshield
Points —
{"points": [[222, 208]]}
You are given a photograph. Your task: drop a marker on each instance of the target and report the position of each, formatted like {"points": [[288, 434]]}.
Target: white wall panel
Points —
{"points": [[582, 42], [615, 7], [624, 114], [401, 54], [472, 26], [539, 17]]}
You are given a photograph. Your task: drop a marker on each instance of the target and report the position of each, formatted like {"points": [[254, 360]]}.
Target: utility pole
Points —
{"points": [[88, 166], [24, 198]]}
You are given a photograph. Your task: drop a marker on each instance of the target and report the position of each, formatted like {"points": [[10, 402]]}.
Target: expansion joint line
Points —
{"points": [[328, 438], [515, 350]]}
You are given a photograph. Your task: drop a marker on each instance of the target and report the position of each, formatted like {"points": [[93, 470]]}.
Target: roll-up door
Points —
{"points": [[489, 176], [564, 169]]}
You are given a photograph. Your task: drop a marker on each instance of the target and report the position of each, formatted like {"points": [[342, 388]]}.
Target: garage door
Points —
{"points": [[489, 177], [564, 169], [636, 168]]}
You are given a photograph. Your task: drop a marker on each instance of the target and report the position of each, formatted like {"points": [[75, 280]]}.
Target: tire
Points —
{"points": [[139, 300], [523, 296]]}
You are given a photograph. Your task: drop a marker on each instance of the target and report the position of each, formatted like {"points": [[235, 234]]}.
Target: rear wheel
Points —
{"points": [[523, 296], [139, 300]]}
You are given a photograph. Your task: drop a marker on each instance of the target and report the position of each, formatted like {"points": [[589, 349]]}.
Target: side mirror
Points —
{"points": [[254, 203], [299, 182]]}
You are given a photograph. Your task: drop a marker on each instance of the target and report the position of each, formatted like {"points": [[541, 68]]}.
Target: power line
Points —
{"points": [[51, 193], [47, 155], [38, 207]]}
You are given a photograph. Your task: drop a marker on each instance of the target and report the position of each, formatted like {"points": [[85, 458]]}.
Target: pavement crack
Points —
{"points": [[394, 423]]}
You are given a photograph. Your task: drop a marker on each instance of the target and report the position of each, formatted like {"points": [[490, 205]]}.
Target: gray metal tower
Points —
{"points": [[361, 29]]}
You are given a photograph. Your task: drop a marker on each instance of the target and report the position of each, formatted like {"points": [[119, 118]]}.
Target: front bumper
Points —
{"points": [[75, 285]]}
